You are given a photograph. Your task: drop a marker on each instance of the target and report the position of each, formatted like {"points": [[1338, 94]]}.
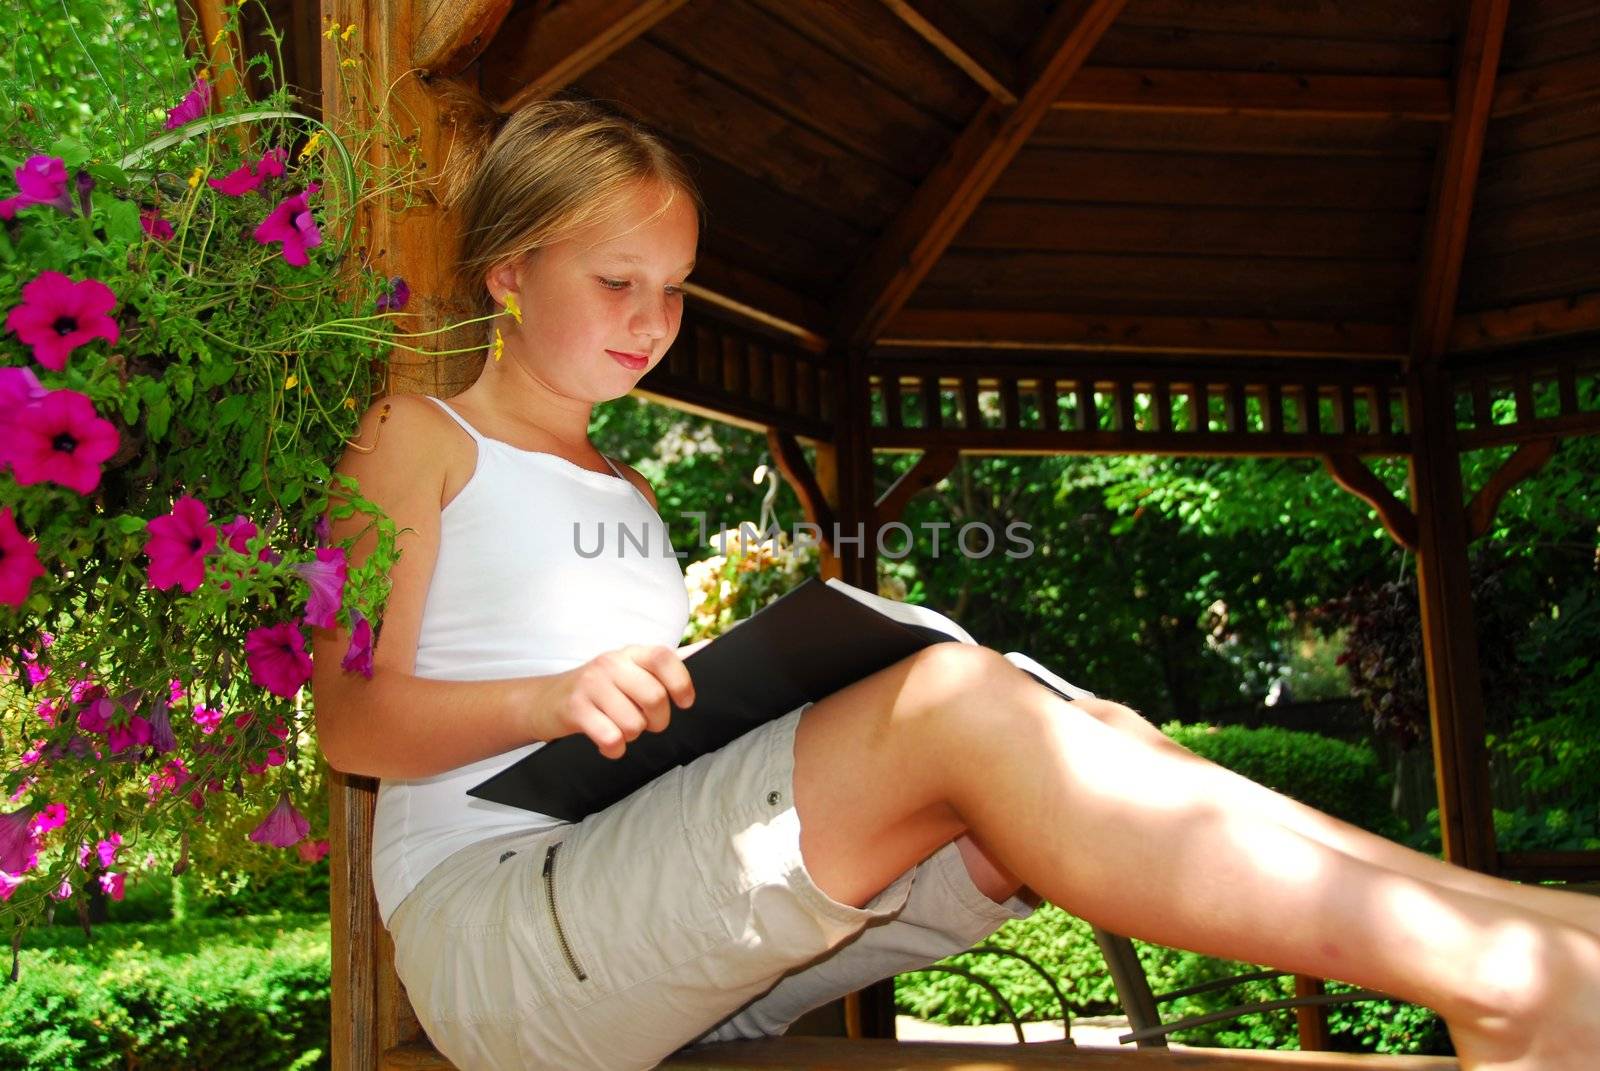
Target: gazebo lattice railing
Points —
{"points": [[1237, 227]]}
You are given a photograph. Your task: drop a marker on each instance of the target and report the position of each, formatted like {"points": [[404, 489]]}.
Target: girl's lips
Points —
{"points": [[629, 361]]}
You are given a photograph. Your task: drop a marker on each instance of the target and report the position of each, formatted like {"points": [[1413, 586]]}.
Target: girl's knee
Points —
{"points": [[949, 676]]}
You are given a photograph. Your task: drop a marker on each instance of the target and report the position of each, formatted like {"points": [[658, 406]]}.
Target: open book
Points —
{"points": [[805, 645]]}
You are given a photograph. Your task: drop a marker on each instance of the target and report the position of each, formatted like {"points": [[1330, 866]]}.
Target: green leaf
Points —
{"points": [[72, 151], [128, 524], [121, 219], [160, 415]]}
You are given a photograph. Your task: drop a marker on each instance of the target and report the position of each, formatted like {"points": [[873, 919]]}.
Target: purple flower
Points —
{"points": [[291, 223], [60, 439], [83, 182], [323, 528], [96, 716], [325, 577], [19, 561], [179, 542], [161, 737], [396, 295], [358, 657], [41, 180], [19, 843], [277, 658], [247, 176], [58, 315], [238, 533], [192, 106], [152, 224], [107, 850], [283, 826]]}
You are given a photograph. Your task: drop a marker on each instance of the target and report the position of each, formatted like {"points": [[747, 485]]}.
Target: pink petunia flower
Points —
{"points": [[171, 777], [178, 545], [132, 732], [61, 439], [62, 891], [358, 656], [19, 388], [54, 816], [325, 577], [97, 716], [41, 180], [207, 718], [107, 849], [283, 826], [292, 224], [312, 851], [192, 106], [19, 561], [112, 885], [278, 659], [19, 843], [152, 224], [247, 176], [57, 315], [238, 533]]}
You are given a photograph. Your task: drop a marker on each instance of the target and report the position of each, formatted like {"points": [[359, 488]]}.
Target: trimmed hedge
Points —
{"points": [[1330, 775], [237, 993]]}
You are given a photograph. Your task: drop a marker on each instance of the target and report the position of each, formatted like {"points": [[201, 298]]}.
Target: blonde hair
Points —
{"points": [[552, 167]]}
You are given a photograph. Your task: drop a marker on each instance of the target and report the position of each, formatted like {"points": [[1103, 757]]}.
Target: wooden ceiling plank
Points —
{"points": [[452, 33], [547, 49], [1007, 329], [1322, 96], [1457, 177], [1554, 83], [953, 35], [886, 278]]}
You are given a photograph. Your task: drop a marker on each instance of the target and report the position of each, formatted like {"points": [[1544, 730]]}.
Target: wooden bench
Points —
{"points": [[375, 1029]]}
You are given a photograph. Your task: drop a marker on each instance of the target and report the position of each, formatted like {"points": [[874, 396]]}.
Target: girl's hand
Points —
{"points": [[614, 697]]}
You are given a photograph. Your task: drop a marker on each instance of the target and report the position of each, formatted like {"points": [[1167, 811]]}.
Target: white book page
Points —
{"points": [[903, 612], [1023, 662]]}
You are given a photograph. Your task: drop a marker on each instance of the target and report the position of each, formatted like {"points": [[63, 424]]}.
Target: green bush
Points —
{"points": [[1335, 777], [172, 996], [1339, 778]]}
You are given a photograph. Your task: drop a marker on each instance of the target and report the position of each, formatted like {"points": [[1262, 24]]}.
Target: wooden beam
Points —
{"points": [[450, 34], [1529, 459], [1490, 328], [1554, 83], [754, 297], [953, 34], [1456, 178], [1352, 474], [1003, 329], [930, 468], [886, 278], [791, 461], [1308, 96], [1449, 637], [543, 49]]}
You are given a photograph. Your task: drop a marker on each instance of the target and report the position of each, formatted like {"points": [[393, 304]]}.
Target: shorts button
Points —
{"points": [[773, 798]]}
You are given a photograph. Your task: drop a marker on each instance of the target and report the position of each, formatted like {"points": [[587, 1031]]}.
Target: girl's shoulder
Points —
{"points": [[405, 438]]}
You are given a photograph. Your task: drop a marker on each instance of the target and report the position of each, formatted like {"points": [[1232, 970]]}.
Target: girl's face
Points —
{"points": [[600, 308]]}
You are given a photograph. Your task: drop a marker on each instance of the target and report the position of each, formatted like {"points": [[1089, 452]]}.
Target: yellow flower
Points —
{"points": [[195, 176], [349, 403], [291, 381], [220, 34], [499, 347], [513, 308], [332, 30], [313, 143], [348, 30], [349, 61]]}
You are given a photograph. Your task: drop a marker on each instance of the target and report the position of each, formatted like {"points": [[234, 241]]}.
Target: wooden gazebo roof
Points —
{"points": [[1282, 227], [1177, 226]]}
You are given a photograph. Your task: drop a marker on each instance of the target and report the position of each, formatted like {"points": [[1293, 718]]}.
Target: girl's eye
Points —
{"points": [[619, 284]]}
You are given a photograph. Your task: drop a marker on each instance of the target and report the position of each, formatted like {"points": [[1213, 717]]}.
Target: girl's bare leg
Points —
{"points": [[1583, 911], [1144, 842]]}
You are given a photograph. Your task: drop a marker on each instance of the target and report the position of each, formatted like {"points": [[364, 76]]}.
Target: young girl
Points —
{"points": [[890, 824]]}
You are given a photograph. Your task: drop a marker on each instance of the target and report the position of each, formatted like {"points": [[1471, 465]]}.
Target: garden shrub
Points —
{"points": [[239, 994]]}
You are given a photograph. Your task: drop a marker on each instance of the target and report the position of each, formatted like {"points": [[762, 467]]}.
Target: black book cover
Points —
{"points": [[809, 643]]}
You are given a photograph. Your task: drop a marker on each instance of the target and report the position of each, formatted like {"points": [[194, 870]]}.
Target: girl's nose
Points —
{"points": [[653, 316]]}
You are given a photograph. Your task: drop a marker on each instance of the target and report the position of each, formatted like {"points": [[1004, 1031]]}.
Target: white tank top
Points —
{"points": [[542, 565]]}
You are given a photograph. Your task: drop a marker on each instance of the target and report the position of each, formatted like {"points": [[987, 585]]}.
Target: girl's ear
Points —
{"points": [[502, 279]]}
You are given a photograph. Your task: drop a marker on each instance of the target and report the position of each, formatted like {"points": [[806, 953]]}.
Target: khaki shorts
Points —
{"points": [[682, 914]]}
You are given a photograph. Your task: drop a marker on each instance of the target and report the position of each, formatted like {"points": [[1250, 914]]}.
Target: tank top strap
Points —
{"points": [[468, 428], [629, 482]]}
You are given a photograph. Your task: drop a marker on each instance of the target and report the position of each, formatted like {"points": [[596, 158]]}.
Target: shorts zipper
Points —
{"points": [[550, 895]]}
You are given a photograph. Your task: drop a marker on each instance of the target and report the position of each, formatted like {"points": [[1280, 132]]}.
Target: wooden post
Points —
{"points": [[1449, 639]]}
